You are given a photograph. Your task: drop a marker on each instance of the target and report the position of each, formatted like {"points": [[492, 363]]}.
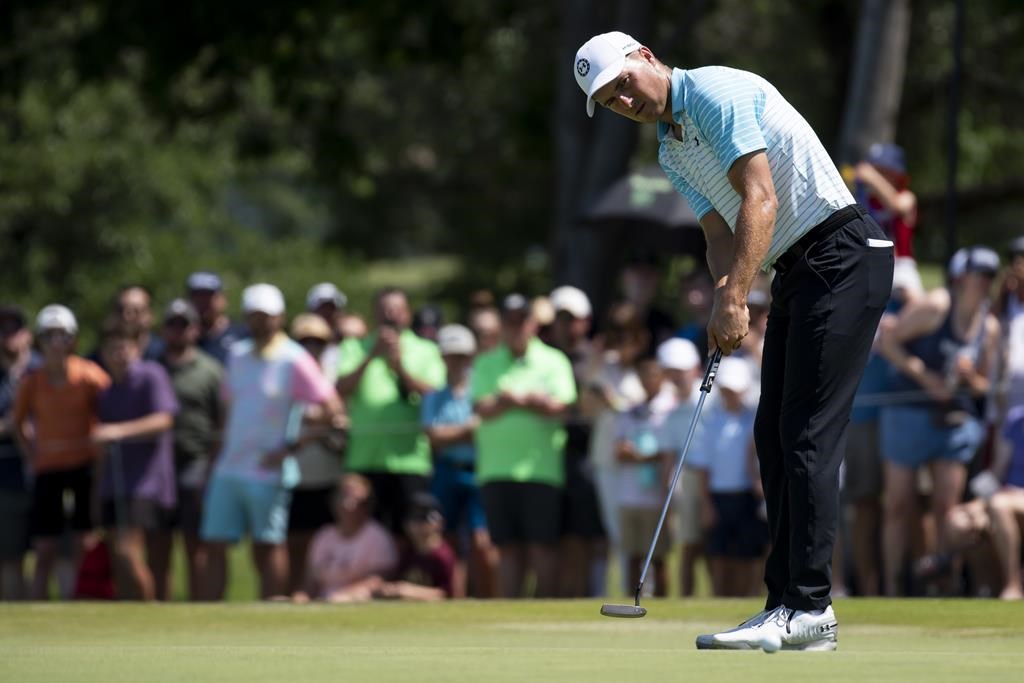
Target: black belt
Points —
{"points": [[838, 219]]}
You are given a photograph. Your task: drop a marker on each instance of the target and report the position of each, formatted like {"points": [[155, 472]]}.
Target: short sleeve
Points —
{"points": [[161, 391], [99, 380], [699, 204], [727, 110], [351, 353], [428, 366], [308, 382]]}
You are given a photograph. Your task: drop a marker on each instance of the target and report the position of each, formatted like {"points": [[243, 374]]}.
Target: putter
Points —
{"points": [[635, 611]]}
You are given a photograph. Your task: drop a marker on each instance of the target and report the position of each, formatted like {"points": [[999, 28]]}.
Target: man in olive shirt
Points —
{"points": [[383, 378], [522, 390], [197, 378]]}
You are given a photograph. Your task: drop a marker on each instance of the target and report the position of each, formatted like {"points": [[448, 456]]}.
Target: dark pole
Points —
{"points": [[953, 129]]}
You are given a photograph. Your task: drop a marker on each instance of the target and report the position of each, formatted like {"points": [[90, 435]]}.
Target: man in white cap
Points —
{"points": [[681, 362], [768, 197], [269, 377], [55, 415]]}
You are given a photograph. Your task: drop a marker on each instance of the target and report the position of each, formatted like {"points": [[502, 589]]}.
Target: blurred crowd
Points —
{"points": [[523, 451]]}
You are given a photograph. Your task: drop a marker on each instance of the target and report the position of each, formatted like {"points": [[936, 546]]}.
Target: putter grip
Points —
{"points": [[709, 375]]}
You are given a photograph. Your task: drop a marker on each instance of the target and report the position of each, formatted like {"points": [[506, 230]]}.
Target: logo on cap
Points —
{"points": [[582, 66]]}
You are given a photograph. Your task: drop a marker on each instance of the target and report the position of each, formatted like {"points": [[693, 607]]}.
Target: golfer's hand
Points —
{"points": [[729, 323]]}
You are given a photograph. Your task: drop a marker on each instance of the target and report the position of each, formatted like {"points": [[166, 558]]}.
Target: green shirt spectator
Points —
{"points": [[385, 435], [520, 445]]}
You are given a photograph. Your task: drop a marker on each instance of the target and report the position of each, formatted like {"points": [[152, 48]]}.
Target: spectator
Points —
{"points": [[697, 294], [426, 568], [486, 326], [522, 391], [196, 378], [640, 282], [641, 482], [944, 347], [133, 306], [217, 332], [731, 502], [384, 378], [353, 327], [1009, 306], [329, 302], [881, 185], [318, 458], [450, 425], [681, 364], [16, 359], [1006, 506], [427, 320], [584, 549], [268, 376], [137, 481], [544, 313], [348, 559], [54, 415], [612, 386]]}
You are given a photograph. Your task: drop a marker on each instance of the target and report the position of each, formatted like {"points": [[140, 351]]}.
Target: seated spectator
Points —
{"points": [[641, 484], [54, 416], [426, 567], [731, 502], [348, 559], [944, 347], [138, 490]]}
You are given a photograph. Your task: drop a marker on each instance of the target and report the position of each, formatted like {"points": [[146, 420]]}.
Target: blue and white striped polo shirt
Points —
{"points": [[726, 113]]}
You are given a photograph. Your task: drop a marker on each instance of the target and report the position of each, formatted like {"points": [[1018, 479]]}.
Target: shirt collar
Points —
{"points": [[677, 97], [268, 351]]}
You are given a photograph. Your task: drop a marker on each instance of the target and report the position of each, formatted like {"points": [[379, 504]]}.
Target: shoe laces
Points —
{"points": [[782, 617]]}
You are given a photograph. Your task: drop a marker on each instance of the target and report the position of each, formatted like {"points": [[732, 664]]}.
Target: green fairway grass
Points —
{"points": [[897, 640]]}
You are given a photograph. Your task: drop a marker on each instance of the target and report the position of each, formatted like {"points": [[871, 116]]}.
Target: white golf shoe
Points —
{"points": [[797, 630]]}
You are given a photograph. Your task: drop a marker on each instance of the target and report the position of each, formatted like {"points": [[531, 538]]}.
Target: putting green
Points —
{"points": [[897, 640]]}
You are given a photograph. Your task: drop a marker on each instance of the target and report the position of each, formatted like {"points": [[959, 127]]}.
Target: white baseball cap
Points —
{"points": [[571, 300], [678, 354], [456, 340], [325, 292], [262, 298], [600, 60], [56, 317], [734, 374]]}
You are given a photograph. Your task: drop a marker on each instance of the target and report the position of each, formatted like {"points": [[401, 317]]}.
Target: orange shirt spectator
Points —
{"points": [[62, 414]]}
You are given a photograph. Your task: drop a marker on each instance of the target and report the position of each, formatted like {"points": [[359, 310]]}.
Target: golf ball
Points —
{"points": [[771, 642]]}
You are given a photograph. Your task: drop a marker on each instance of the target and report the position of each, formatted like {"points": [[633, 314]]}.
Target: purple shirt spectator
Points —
{"points": [[147, 465]]}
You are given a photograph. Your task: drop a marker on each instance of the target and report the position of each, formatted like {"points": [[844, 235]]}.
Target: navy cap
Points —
{"points": [[887, 155], [11, 312], [204, 281], [981, 260]]}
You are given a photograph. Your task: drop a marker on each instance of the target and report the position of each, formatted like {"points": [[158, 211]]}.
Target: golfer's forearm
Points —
{"points": [[719, 255], [754, 227]]}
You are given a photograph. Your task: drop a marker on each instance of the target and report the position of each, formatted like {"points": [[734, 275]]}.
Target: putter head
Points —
{"points": [[623, 611]]}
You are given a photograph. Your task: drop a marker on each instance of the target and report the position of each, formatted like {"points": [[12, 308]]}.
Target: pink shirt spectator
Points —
{"points": [[336, 562], [263, 390]]}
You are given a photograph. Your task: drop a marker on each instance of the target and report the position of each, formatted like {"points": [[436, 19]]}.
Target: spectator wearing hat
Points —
{"points": [[383, 379], [426, 566], [217, 331], [944, 347], [427, 320], [196, 378], [448, 420], [137, 481], [54, 418], [731, 500], [319, 456], [350, 559], [16, 358], [584, 548], [269, 380], [522, 390], [329, 302], [680, 361]]}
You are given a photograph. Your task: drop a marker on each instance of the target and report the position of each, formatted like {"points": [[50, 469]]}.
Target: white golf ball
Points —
{"points": [[771, 642]]}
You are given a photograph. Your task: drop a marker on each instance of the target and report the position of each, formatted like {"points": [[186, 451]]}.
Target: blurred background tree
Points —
{"points": [[293, 142]]}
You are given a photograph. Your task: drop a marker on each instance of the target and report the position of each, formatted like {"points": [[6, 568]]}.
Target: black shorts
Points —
{"points": [[136, 513], [522, 512], [189, 515], [581, 511], [310, 509], [49, 517], [393, 494], [739, 531]]}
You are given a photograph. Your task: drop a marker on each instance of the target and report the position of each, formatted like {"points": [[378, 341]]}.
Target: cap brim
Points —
{"points": [[602, 79]]}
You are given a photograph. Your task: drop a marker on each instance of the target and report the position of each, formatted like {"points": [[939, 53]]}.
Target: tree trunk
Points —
{"points": [[876, 82]]}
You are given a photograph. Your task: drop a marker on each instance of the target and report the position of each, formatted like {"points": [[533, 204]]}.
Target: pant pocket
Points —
{"points": [[880, 261]]}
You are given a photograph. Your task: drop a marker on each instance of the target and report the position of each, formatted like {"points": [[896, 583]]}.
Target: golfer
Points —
{"points": [[768, 196]]}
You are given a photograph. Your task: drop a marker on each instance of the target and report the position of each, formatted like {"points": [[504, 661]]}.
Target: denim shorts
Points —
{"points": [[910, 437]]}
